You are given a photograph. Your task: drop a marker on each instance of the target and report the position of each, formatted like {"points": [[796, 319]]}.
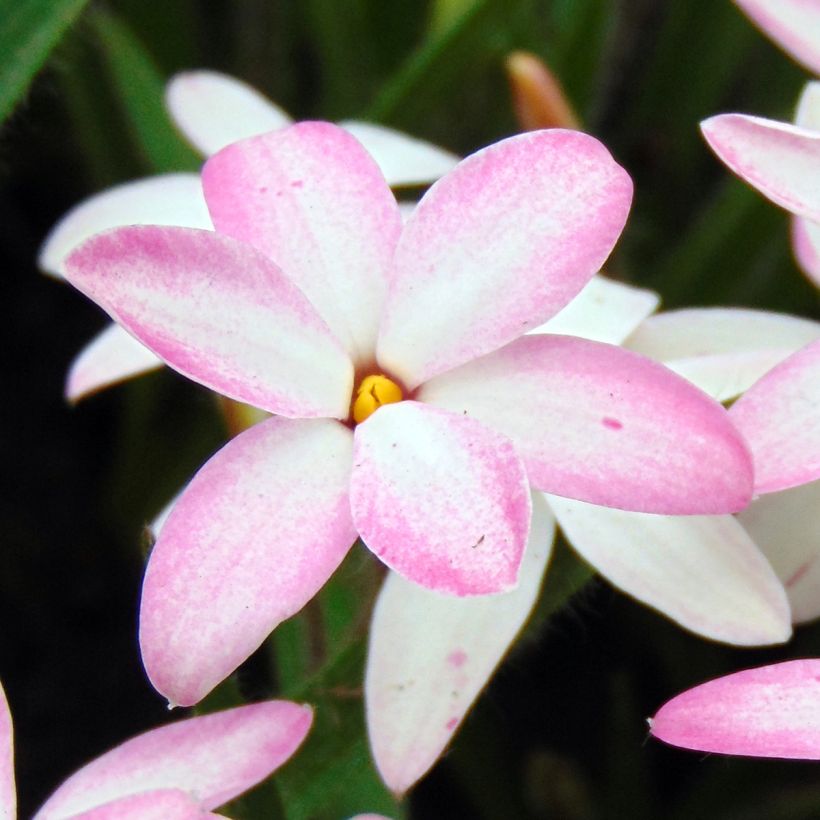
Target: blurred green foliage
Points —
{"points": [[641, 74]]}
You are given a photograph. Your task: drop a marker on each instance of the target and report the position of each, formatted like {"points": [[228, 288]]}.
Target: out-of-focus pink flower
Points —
{"points": [[772, 711], [212, 110], [177, 772]]}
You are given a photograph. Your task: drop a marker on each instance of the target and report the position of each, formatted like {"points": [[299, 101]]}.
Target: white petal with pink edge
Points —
{"points": [[724, 351], [806, 246], [498, 246], [312, 199], [604, 311], [219, 312], [604, 425], [404, 160], [430, 655], [440, 498], [213, 110], [8, 789], [771, 711], [111, 357], [786, 528], [213, 757], [171, 199], [781, 160], [780, 418], [704, 572], [159, 804], [251, 540], [793, 24]]}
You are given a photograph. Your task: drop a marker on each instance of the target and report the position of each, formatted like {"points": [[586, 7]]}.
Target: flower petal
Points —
{"points": [[780, 418], [772, 711], [430, 655], [112, 356], [604, 425], [8, 789], [724, 351], [604, 311], [782, 161], [249, 542], [213, 757], [404, 160], [312, 199], [158, 804], [793, 24], [213, 110], [219, 312], [440, 499], [786, 527], [170, 199], [704, 572], [806, 247], [498, 246]]}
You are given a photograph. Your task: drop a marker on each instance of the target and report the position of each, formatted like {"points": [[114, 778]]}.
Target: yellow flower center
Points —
{"points": [[373, 392]]}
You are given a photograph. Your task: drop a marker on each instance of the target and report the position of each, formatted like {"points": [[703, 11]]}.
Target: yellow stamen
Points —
{"points": [[373, 392]]}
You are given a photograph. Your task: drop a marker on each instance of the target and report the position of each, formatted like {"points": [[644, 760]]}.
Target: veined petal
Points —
{"points": [[604, 311], [170, 199], [219, 312], [312, 199], [781, 160], [604, 425], [806, 247], [704, 572], [772, 711], [8, 789], [430, 655], [724, 351], [786, 527], [440, 499], [213, 758], [780, 418], [250, 541], [159, 804], [213, 110], [793, 24], [497, 247], [404, 160], [112, 356]]}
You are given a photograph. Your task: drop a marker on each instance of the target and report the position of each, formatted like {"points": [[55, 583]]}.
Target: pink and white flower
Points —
{"points": [[421, 324], [177, 772], [771, 711], [212, 110]]}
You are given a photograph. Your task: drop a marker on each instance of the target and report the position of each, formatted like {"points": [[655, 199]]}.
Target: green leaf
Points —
{"points": [[29, 31], [140, 89]]}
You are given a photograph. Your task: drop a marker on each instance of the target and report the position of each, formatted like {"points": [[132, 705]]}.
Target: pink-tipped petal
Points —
{"points": [[404, 160], [806, 247], [498, 246], [786, 527], [219, 312], [780, 419], [111, 357], [250, 541], [8, 789], [430, 655], [604, 425], [724, 351], [213, 110], [440, 498], [312, 199], [704, 572], [213, 758], [793, 24], [159, 804], [604, 311], [781, 160], [170, 199], [772, 711]]}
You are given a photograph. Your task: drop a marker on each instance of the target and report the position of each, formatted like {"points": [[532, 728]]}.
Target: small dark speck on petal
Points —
{"points": [[612, 424], [297, 183]]}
